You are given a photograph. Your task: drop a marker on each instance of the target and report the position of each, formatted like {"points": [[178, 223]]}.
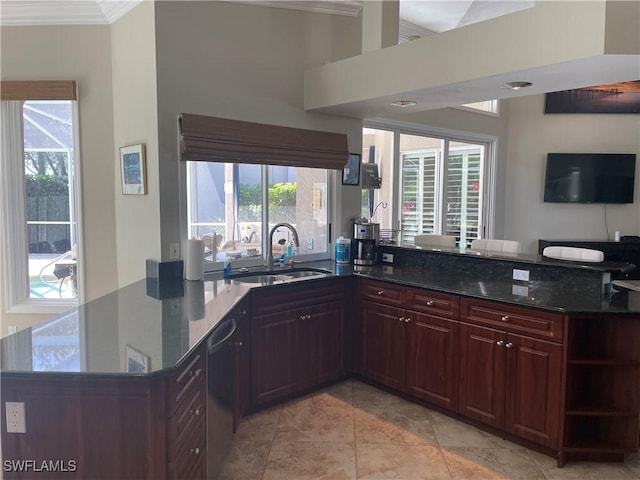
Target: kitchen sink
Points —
{"points": [[270, 277]]}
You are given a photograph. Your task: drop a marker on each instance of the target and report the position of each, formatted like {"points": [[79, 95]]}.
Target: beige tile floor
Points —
{"points": [[354, 431]]}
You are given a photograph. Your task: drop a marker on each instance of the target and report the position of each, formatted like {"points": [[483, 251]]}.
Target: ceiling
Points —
{"points": [[417, 18]]}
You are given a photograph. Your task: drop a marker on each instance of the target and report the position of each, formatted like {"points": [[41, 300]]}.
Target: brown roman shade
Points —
{"points": [[212, 139], [38, 90]]}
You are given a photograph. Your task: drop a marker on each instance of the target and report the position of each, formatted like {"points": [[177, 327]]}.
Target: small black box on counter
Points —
{"points": [[164, 279]]}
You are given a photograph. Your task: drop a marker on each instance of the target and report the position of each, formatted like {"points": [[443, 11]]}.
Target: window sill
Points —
{"points": [[43, 306]]}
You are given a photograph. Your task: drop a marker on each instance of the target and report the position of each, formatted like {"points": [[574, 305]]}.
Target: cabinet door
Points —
{"points": [[432, 359], [384, 337], [243, 363], [534, 373], [321, 344], [273, 356], [482, 374]]}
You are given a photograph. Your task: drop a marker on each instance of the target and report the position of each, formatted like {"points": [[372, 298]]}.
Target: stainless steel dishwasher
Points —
{"points": [[221, 378]]}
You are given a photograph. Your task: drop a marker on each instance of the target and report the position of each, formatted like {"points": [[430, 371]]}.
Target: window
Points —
{"points": [[489, 107], [225, 207], [442, 186], [39, 183]]}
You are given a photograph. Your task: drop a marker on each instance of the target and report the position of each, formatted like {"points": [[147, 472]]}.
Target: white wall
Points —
{"points": [[532, 134], [241, 62], [135, 120], [82, 54]]}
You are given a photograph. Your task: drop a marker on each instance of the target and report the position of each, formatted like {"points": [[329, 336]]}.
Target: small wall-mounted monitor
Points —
{"points": [[590, 178]]}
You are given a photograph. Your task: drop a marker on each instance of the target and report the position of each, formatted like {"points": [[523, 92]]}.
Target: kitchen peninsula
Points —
{"points": [[124, 386]]}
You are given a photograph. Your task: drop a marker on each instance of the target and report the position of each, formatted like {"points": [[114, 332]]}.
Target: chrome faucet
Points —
{"points": [[296, 241]]}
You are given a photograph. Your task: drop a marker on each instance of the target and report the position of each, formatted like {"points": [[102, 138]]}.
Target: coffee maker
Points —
{"points": [[365, 243]]}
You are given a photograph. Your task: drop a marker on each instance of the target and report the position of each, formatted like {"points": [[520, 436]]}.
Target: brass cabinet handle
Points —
{"points": [[500, 343], [194, 451], [430, 303], [407, 320], [505, 318], [509, 345], [380, 292], [195, 412], [401, 319]]}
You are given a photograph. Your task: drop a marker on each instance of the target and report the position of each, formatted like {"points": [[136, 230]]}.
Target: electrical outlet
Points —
{"points": [[522, 275], [520, 290], [309, 243], [174, 251], [387, 257], [15, 417]]}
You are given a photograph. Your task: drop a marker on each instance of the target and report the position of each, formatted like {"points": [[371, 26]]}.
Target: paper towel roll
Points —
{"points": [[194, 298], [194, 259]]}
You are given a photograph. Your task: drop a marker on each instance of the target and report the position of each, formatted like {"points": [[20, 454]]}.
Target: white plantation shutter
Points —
{"points": [[419, 200]]}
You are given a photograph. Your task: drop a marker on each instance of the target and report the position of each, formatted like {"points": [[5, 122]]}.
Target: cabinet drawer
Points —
{"points": [[535, 323], [190, 376], [311, 292], [189, 416], [190, 455], [441, 304], [386, 293]]}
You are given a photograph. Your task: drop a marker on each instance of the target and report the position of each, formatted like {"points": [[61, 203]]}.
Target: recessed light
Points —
{"points": [[517, 85], [404, 103]]}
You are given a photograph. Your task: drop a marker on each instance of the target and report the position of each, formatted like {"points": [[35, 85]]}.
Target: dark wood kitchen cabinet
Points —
{"points": [[297, 339], [125, 427], [509, 380], [242, 344], [601, 419], [409, 341], [186, 425], [383, 344]]}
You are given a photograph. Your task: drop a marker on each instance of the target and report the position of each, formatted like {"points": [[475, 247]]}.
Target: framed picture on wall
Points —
{"points": [[351, 173], [623, 97], [137, 362], [133, 168]]}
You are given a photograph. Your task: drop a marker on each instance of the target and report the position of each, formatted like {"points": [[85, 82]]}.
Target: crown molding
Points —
{"points": [[340, 7], [63, 12], [407, 29], [113, 10]]}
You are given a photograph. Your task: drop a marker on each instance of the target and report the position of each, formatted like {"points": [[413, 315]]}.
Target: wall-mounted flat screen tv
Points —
{"points": [[590, 177]]}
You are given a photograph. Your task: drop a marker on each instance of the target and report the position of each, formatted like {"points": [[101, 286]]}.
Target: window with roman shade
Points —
{"points": [[212, 139]]}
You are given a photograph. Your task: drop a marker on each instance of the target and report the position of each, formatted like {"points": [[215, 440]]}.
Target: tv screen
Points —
{"points": [[590, 177]]}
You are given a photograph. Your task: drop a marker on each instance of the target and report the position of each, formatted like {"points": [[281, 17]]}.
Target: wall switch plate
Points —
{"points": [[174, 251], [522, 275], [387, 257], [309, 243], [15, 417]]}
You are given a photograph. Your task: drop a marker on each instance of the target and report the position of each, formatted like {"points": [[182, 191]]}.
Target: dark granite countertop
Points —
{"points": [[132, 333]]}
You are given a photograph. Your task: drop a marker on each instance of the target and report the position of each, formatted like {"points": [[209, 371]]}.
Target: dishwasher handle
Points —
{"points": [[220, 335]]}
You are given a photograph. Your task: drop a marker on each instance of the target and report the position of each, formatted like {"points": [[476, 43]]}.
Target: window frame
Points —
{"points": [[262, 260], [490, 142], [15, 253], [491, 113]]}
